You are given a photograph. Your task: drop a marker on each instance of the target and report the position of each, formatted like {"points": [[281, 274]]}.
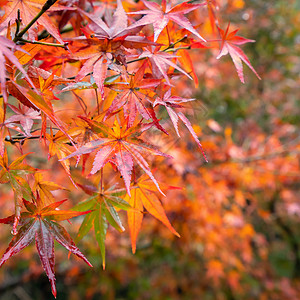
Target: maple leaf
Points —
{"points": [[52, 57], [46, 82], [87, 127], [104, 204], [49, 80], [178, 42], [160, 63], [31, 99], [97, 62], [71, 15], [229, 42], [170, 102], [28, 10], [117, 27], [132, 96], [186, 61], [172, 37], [85, 131], [106, 44], [160, 15], [44, 189], [40, 224], [121, 147], [28, 52], [143, 196], [13, 173], [212, 7], [58, 146], [25, 116], [5, 51]]}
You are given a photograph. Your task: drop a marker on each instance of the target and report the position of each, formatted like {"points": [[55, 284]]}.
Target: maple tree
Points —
{"points": [[87, 81]]}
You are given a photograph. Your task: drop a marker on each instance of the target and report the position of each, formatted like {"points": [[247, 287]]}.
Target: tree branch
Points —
{"points": [[65, 46], [46, 6]]}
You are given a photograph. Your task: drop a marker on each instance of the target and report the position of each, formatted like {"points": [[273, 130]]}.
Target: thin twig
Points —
{"points": [[137, 59], [81, 102], [101, 182], [175, 43], [45, 44], [179, 48]]}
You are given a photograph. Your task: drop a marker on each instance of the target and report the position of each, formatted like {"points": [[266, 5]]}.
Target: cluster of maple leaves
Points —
{"points": [[127, 65]]}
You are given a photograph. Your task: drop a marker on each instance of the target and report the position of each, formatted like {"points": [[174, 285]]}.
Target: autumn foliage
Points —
{"points": [[92, 95]]}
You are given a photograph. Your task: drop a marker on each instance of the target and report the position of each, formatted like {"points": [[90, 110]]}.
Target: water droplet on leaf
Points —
{"points": [[14, 232]]}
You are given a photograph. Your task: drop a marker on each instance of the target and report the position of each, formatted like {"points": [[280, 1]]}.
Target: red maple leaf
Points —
{"points": [[133, 96], [40, 224], [6, 47], [229, 42], [28, 10], [160, 63], [25, 116], [36, 101], [106, 45], [170, 102], [160, 15], [121, 147]]}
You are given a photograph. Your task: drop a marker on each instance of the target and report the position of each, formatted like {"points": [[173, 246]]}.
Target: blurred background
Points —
{"points": [[238, 215]]}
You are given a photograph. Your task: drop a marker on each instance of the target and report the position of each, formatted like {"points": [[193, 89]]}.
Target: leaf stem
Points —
{"points": [[101, 181], [81, 102], [179, 48], [175, 43], [44, 43], [137, 59]]}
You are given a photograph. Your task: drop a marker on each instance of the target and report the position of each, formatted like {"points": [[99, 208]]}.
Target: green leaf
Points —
{"points": [[119, 202], [100, 226], [113, 217], [86, 205], [86, 225]]}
